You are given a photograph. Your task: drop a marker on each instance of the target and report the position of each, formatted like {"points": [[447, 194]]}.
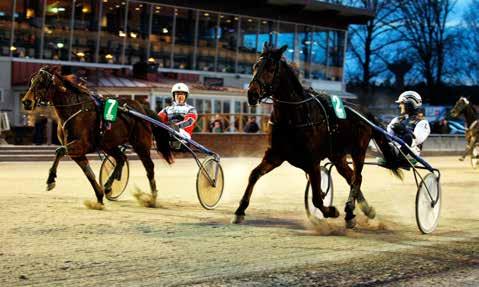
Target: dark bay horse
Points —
{"points": [[78, 129], [304, 132], [464, 106]]}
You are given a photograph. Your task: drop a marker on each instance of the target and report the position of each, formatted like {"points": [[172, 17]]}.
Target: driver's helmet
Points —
{"points": [[179, 87], [411, 99]]}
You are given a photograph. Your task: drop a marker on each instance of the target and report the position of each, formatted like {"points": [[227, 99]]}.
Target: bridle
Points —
{"points": [[48, 91], [268, 89], [265, 88]]}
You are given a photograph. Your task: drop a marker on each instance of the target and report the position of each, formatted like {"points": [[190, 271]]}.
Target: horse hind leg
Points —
{"points": [[52, 174], [144, 154], [268, 163], [345, 171], [116, 174]]}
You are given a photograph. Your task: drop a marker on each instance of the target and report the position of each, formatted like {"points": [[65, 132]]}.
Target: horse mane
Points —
{"points": [[68, 81], [293, 74]]}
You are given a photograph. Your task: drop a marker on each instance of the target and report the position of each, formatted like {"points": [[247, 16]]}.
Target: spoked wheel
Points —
{"points": [[326, 186], [210, 183], [428, 203], [119, 184], [475, 157]]}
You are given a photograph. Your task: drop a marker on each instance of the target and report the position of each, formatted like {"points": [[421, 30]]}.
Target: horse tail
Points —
{"points": [[391, 158], [162, 138]]}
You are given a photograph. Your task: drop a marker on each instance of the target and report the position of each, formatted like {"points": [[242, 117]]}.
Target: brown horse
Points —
{"points": [[78, 119], [463, 106], [304, 131]]}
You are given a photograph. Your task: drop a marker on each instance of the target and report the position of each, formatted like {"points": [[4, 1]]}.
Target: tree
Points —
{"points": [[368, 42], [423, 26], [470, 43]]}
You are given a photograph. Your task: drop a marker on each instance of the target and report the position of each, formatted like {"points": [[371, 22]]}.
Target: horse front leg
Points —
{"points": [[318, 195], [268, 163], [82, 161], [59, 154], [468, 149]]}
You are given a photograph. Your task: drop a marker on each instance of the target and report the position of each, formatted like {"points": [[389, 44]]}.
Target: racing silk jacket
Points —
{"points": [[183, 116], [419, 128]]}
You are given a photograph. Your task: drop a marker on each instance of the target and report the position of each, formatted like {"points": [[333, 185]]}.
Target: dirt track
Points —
{"points": [[50, 238]]}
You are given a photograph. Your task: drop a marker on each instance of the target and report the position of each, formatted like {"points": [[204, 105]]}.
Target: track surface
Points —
{"points": [[51, 238]]}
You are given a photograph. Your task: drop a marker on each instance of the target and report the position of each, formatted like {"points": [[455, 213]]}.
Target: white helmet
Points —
{"points": [[411, 97], [179, 87]]}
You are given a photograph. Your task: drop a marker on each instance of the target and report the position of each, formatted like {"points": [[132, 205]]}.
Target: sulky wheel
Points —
{"points": [[209, 183], [119, 185], [428, 203], [326, 186]]}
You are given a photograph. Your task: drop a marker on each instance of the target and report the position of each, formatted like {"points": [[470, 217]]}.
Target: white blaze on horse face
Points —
{"points": [[466, 101]]}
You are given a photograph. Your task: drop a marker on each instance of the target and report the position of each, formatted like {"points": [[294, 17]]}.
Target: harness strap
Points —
{"points": [[474, 123], [71, 117]]}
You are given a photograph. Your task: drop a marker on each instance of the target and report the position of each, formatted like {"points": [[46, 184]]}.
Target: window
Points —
{"points": [[112, 31], [57, 30], [305, 42], [267, 33], [208, 33], [5, 27], [336, 55], [161, 36], [137, 33], [227, 42], [286, 37], [28, 29], [85, 30], [319, 57], [248, 45], [184, 38]]}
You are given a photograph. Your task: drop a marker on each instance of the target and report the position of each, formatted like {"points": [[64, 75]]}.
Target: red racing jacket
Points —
{"points": [[182, 116]]}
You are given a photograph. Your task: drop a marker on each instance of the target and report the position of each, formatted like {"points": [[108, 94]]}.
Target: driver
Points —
{"points": [[181, 116], [411, 125]]}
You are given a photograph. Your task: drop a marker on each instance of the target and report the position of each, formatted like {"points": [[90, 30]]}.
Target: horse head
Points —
{"points": [[459, 107], [42, 87], [265, 74]]}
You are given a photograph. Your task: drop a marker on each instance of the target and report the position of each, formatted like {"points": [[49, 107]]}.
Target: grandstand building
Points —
{"points": [[137, 49]]}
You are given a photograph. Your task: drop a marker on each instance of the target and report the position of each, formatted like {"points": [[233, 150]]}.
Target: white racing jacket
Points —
{"points": [[419, 128]]}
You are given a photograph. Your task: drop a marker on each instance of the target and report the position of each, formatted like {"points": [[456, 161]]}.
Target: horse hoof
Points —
{"points": [[50, 186], [94, 205], [368, 210], [371, 213], [332, 212], [351, 223], [237, 219]]}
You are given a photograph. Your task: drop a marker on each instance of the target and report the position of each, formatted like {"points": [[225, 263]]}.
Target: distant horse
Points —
{"points": [[79, 116], [304, 131], [463, 106]]}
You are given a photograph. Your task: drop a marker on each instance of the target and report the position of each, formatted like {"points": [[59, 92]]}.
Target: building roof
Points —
{"points": [[310, 12]]}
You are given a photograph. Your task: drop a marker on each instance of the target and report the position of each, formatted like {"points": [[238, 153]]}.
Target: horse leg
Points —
{"points": [[268, 163], [468, 149], [358, 162], [120, 159], [59, 154], [315, 179], [82, 161], [145, 157], [345, 171]]}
